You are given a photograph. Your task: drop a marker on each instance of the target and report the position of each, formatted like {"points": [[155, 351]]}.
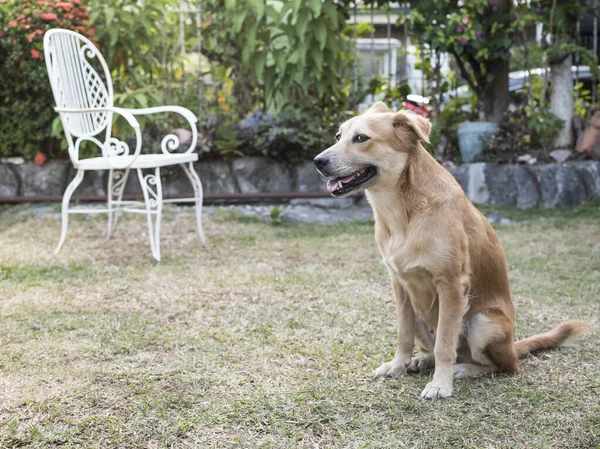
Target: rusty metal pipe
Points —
{"points": [[208, 198]]}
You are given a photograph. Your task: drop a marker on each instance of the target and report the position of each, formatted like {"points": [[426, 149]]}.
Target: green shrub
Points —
{"points": [[26, 100]]}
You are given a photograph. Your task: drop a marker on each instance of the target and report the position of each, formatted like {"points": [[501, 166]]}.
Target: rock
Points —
{"points": [[93, 183], [460, 173], [9, 182], [477, 190], [12, 160], [546, 180], [255, 174], [493, 217], [511, 185], [329, 203], [560, 156], [48, 180], [527, 159], [528, 194], [312, 214], [570, 187], [589, 173], [184, 136], [448, 165], [308, 179], [216, 177], [500, 185]]}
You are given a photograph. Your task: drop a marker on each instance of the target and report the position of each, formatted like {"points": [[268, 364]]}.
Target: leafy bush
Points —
{"points": [[521, 131], [26, 100], [291, 137]]}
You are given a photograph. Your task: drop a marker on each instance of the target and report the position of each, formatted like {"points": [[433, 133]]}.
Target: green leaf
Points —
{"points": [[302, 22], [315, 6], [238, 20], [258, 64], [320, 32], [330, 9], [113, 32], [109, 14], [259, 8]]}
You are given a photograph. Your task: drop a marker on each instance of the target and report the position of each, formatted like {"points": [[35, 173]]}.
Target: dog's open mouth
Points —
{"points": [[343, 185]]}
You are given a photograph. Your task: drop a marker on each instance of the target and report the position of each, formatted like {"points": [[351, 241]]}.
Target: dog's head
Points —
{"points": [[371, 150]]}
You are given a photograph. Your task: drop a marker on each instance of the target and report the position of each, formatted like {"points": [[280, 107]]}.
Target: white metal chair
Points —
{"points": [[85, 105]]}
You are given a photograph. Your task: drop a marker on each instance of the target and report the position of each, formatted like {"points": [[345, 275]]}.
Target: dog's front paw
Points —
{"points": [[434, 391], [393, 369]]}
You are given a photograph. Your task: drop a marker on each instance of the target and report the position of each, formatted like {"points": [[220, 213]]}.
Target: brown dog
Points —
{"points": [[447, 267]]}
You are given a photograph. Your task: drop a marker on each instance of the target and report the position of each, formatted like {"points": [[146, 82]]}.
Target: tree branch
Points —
{"points": [[463, 71]]}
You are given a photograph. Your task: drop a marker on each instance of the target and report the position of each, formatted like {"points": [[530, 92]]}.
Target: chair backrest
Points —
{"points": [[75, 83]]}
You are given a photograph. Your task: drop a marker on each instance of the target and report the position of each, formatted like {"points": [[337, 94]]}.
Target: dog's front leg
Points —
{"points": [[406, 335], [452, 301]]}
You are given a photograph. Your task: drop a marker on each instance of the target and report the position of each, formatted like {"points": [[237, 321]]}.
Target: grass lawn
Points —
{"points": [[268, 338]]}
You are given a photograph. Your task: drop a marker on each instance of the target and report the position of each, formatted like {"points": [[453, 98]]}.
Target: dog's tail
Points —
{"points": [[557, 336]]}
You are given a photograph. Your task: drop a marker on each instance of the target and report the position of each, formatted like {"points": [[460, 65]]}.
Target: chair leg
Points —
{"points": [[154, 204], [65, 208], [117, 180], [198, 195]]}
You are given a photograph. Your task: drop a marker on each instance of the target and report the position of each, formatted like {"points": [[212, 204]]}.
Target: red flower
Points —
{"points": [[80, 29], [49, 16], [1, 34], [32, 36], [91, 32], [36, 54], [69, 16], [20, 16], [12, 23], [65, 6], [39, 159]]}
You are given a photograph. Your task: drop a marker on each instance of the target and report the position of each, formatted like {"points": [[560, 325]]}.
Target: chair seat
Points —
{"points": [[142, 161]]}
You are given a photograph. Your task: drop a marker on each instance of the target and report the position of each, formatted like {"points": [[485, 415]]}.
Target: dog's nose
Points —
{"points": [[321, 161]]}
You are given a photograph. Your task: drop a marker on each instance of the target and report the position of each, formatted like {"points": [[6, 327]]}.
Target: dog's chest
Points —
{"points": [[408, 265]]}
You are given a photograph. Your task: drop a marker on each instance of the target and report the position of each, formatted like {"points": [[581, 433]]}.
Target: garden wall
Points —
{"points": [[524, 186]]}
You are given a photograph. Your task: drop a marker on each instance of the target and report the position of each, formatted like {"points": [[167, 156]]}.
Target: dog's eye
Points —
{"points": [[338, 136], [360, 138]]}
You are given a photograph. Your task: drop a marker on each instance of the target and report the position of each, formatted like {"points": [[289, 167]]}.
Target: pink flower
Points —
{"points": [[40, 158], [463, 41], [49, 16], [36, 55], [459, 29], [492, 2], [465, 20], [12, 23], [478, 34]]}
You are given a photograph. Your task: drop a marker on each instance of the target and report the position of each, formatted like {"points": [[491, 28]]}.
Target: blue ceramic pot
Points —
{"points": [[472, 137]]}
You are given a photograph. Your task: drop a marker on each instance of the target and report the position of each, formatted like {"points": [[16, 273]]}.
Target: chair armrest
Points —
{"points": [[171, 141], [114, 150]]}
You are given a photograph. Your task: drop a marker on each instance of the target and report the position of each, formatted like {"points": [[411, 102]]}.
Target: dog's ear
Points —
{"points": [[378, 107], [419, 126]]}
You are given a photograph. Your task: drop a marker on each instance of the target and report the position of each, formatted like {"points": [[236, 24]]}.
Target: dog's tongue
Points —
{"points": [[334, 184]]}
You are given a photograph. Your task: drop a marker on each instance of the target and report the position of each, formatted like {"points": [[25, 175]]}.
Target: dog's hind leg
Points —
{"points": [[464, 370], [490, 342]]}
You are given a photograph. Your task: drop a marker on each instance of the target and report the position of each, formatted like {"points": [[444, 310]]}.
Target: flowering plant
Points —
{"points": [[26, 101], [479, 34]]}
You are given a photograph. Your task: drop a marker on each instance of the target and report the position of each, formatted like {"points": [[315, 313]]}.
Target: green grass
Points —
{"points": [[268, 338]]}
